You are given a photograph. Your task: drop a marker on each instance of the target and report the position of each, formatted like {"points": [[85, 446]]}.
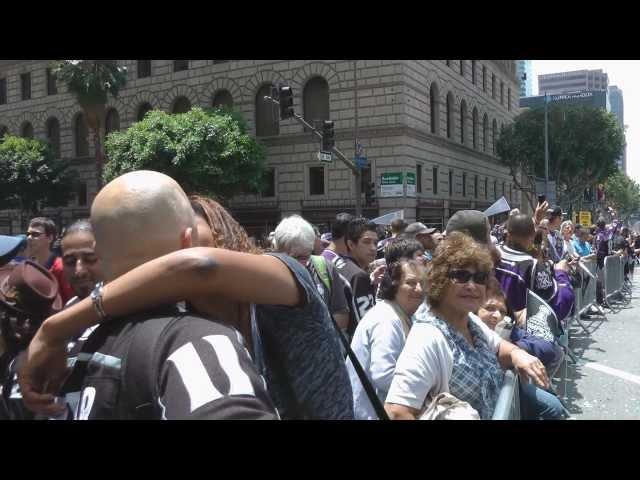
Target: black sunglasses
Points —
{"points": [[463, 276]]}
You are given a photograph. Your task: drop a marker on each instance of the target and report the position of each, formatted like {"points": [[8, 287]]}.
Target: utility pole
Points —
{"points": [[546, 145], [358, 175]]}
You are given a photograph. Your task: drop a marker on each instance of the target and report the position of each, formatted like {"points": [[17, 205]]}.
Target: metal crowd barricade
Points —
{"points": [[508, 404], [612, 279], [586, 297]]}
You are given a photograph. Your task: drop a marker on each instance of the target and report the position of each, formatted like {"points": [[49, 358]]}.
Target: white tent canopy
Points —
{"points": [[388, 218], [500, 206]]}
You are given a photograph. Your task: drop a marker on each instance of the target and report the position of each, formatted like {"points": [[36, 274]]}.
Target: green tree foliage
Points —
{"points": [[91, 82], [30, 176], [205, 151], [584, 143], [623, 194]]}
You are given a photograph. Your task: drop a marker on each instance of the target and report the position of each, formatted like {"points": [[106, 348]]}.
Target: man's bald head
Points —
{"points": [[140, 216]]}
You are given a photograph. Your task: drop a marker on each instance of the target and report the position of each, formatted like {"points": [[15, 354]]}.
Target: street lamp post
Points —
{"points": [[546, 145], [358, 176]]}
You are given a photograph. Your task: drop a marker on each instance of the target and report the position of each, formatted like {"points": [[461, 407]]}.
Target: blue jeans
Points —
{"points": [[538, 404]]}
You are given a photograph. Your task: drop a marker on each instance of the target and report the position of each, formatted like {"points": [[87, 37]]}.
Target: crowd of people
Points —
{"points": [[161, 307]]}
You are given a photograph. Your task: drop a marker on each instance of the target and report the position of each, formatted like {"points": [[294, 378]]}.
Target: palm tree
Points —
{"points": [[91, 82]]}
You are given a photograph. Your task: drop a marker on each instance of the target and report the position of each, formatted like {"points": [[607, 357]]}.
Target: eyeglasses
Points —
{"points": [[34, 234], [463, 276]]}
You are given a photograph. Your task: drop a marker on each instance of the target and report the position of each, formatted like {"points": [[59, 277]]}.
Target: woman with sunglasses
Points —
{"points": [[452, 350]]}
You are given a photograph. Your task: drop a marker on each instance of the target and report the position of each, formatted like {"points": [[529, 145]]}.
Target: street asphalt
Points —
{"points": [[605, 384]]}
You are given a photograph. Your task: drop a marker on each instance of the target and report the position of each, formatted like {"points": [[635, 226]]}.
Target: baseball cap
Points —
{"points": [[10, 246], [471, 222], [417, 228]]}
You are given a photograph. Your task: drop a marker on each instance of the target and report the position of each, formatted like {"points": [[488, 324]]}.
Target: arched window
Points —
{"points": [[142, 111], [485, 132], [474, 131], [450, 110], [484, 78], [434, 108], [53, 135], [501, 93], [315, 100], [81, 132], [112, 121], [223, 99], [495, 135], [475, 186], [267, 116], [26, 131], [463, 120], [509, 99], [493, 86], [181, 105], [486, 187], [473, 72]]}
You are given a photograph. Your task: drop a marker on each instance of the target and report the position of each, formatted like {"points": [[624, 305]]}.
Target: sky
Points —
{"points": [[625, 74]]}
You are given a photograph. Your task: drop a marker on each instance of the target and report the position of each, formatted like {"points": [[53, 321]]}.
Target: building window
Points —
{"points": [[181, 105], [270, 183], [82, 194], [463, 119], [223, 99], [27, 130], [365, 179], [267, 115], [503, 189], [142, 111], [485, 132], [81, 132], [474, 130], [316, 180], [451, 190], [495, 135], [25, 86], [144, 68], [509, 99], [462, 67], [493, 86], [434, 181], [419, 178], [450, 109], [495, 189], [510, 192], [433, 102], [3, 91], [464, 184], [180, 65], [53, 136], [112, 121], [484, 78], [315, 101], [501, 93], [486, 187], [52, 87], [475, 186], [473, 72]]}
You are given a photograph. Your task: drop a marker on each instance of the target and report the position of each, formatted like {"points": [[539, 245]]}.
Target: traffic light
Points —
{"points": [[370, 193], [286, 102], [328, 136]]}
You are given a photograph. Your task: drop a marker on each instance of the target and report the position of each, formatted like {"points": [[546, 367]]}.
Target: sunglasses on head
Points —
{"points": [[463, 276]]}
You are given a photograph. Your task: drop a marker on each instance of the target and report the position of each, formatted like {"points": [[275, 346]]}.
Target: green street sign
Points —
{"points": [[392, 184]]}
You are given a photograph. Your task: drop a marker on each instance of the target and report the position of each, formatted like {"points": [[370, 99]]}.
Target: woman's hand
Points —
{"points": [[529, 366], [541, 209]]}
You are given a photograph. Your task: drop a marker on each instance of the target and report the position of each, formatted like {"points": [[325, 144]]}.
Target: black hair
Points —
{"points": [[82, 225], [339, 226], [399, 249], [357, 226]]}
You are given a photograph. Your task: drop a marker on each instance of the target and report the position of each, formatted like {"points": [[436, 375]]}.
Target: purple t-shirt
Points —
{"points": [[329, 255], [518, 271]]}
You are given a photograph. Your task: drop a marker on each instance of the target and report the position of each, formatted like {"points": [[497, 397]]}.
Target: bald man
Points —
{"points": [[159, 364]]}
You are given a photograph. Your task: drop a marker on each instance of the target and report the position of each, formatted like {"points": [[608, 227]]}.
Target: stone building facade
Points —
{"points": [[436, 120]]}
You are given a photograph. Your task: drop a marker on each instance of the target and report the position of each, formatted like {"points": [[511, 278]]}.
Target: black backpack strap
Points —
{"points": [[139, 376], [364, 380]]}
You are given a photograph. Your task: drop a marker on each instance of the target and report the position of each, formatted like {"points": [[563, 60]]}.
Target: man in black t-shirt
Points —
{"points": [[161, 363], [361, 241]]}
